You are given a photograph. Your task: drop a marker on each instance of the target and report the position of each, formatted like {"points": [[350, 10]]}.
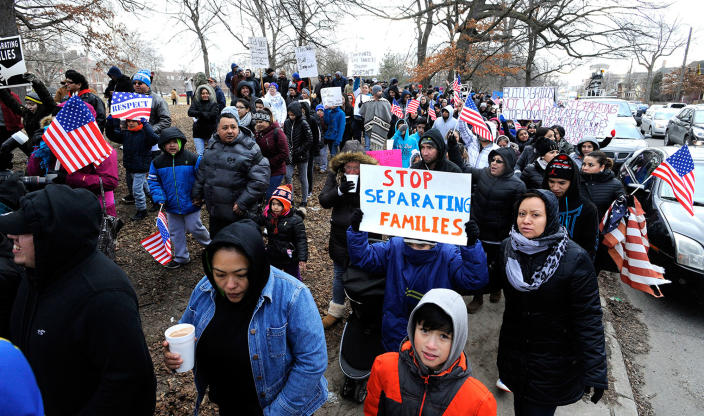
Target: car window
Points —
{"points": [[643, 165], [666, 190], [677, 105], [699, 116], [682, 113], [664, 115]]}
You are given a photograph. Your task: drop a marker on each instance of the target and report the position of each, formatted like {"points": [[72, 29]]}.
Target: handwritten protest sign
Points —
{"points": [[582, 118], [305, 59], [422, 204], [362, 64], [12, 64], [332, 96], [388, 157], [258, 52], [527, 103]]}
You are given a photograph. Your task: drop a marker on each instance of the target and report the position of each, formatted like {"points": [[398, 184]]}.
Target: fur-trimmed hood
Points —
{"points": [[337, 163]]}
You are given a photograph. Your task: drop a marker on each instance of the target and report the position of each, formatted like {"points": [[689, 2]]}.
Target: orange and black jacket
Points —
{"points": [[397, 387]]}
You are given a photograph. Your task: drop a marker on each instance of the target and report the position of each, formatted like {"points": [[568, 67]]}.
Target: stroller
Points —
{"points": [[361, 336]]}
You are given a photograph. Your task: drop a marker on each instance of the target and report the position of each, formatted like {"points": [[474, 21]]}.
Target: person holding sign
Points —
{"points": [[413, 267]]}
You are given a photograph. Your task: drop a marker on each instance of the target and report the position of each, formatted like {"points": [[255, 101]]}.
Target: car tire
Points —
{"points": [[666, 141]]}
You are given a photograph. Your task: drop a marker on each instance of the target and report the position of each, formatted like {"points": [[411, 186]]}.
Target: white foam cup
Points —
{"points": [[354, 179], [183, 345]]}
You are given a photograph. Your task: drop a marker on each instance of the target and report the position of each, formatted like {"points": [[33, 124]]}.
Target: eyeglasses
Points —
{"points": [[67, 82], [497, 160]]}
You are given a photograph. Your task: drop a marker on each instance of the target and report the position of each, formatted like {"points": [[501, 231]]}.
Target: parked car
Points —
{"points": [[654, 121], [676, 238], [627, 141], [687, 127], [675, 105]]}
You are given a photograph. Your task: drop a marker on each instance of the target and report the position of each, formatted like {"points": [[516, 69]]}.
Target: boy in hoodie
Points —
{"points": [[137, 141], [407, 142], [287, 244], [171, 178], [446, 122], [431, 373]]}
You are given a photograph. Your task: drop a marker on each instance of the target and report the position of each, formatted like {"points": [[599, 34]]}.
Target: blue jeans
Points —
{"points": [[200, 145], [323, 158], [274, 183], [140, 190], [189, 95], [338, 290], [179, 225], [367, 142]]}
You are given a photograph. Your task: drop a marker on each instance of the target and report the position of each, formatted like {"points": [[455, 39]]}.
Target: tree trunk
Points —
{"points": [[204, 50], [649, 83], [8, 25]]}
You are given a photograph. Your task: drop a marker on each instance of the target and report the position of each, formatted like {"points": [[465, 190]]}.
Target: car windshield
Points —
{"points": [[666, 190], [627, 131], [665, 115], [699, 116]]}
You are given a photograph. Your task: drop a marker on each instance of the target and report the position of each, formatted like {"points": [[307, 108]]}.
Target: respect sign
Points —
{"points": [[12, 64], [331, 96], [527, 103], [362, 64], [259, 54], [422, 204], [306, 61], [582, 118]]}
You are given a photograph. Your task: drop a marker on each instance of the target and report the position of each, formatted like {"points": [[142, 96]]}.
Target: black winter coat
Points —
{"points": [[342, 208], [76, 315], [528, 156], [601, 188], [284, 234], [298, 134], [30, 120], [207, 114], [551, 343], [137, 145], [10, 277], [494, 196], [232, 173], [532, 176]]}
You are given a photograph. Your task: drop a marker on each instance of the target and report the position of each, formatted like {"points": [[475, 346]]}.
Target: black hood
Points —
{"points": [[295, 108], [436, 137], [552, 207], [65, 223], [169, 134], [573, 194], [509, 157], [245, 236]]}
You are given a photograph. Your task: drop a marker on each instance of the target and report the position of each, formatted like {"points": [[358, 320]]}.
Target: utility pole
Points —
{"points": [[680, 90]]}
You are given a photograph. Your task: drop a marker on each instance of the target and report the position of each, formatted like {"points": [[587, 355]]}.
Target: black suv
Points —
{"points": [[687, 127]]}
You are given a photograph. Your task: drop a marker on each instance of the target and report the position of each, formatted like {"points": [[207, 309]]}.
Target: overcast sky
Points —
{"points": [[378, 35]]}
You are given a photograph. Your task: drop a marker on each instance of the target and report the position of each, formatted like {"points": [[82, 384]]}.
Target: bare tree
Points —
{"points": [[393, 65], [198, 17], [331, 60]]}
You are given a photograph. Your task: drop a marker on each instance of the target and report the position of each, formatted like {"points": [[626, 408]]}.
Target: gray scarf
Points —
{"points": [[557, 241]]}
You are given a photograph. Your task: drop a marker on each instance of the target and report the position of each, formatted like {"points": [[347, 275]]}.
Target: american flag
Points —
{"points": [[75, 138], [678, 171], [159, 243], [412, 106], [396, 109], [130, 106], [431, 113], [471, 116], [457, 88], [626, 236]]}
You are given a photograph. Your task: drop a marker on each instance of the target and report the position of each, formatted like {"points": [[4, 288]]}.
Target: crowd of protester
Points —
{"points": [[261, 349]]}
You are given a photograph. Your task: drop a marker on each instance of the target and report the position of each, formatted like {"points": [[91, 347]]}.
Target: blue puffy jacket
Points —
{"points": [[411, 273], [335, 121], [171, 177]]}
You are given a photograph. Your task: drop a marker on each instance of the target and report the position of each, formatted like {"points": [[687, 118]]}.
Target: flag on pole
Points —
{"points": [[678, 171], [471, 116], [431, 113], [412, 107], [75, 138], [626, 236], [130, 106], [396, 109], [457, 89], [159, 243]]}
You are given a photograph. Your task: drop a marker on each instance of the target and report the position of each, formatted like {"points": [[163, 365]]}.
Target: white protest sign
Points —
{"points": [[332, 97], [362, 64], [582, 118], [422, 204], [12, 64], [258, 52], [305, 59], [527, 103]]}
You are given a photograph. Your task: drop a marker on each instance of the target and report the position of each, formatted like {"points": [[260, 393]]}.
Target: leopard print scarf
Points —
{"points": [[557, 241]]}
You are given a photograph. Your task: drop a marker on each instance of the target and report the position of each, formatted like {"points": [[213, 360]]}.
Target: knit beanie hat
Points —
{"points": [[427, 140], [283, 194], [34, 97], [275, 85], [376, 89], [231, 109], [143, 76], [560, 168], [319, 107], [261, 115], [306, 91], [544, 145]]}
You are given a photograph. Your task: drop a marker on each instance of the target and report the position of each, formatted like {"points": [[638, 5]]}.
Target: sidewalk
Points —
{"points": [[481, 349]]}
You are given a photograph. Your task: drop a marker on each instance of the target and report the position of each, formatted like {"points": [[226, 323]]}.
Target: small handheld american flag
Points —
{"points": [[471, 116], [457, 89], [159, 243], [431, 113], [678, 171], [130, 106], [412, 107], [396, 109], [74, 137]]}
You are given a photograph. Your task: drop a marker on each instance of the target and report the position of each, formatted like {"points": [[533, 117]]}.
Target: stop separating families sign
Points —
{"points": [[421, 204]]}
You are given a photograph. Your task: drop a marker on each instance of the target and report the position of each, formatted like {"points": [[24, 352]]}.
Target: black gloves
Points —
{"points": [[471, 228], [451, 140], [356, 219], [596, 396], [345, 187], [30, 77]]}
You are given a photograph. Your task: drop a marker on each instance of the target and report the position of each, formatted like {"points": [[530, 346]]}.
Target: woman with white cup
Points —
{"points": [[260, 346]]}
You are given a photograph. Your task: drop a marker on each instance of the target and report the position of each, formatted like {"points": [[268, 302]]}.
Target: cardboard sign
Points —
{"points": [[422, 204], [388, 157], [258, 52], [582, 118], [306, 61], [12, 64], [332, 97], [527, 103], [362, 64]]}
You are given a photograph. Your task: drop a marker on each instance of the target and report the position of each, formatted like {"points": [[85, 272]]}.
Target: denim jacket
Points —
{"points": [[287, 346]]}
